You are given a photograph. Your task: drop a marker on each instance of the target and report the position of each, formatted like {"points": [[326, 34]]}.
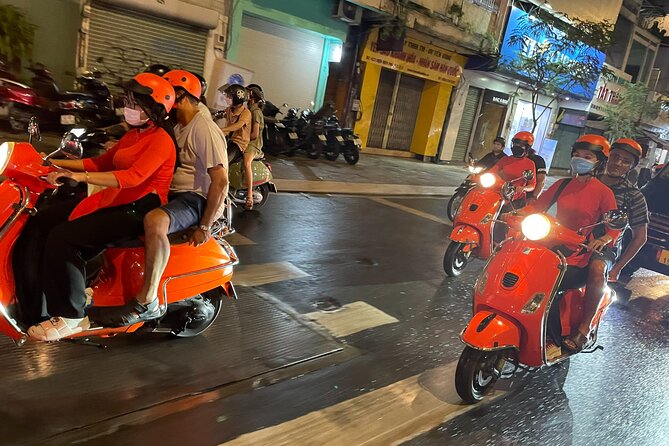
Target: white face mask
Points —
{"points": [[134, 117]]}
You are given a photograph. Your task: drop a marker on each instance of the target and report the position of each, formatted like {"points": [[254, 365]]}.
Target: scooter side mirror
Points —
{"points": [[615, 219], [528, 175], [70, 146]]}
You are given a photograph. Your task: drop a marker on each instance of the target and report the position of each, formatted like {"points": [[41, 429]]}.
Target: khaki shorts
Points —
{"points": [[257, 153]]}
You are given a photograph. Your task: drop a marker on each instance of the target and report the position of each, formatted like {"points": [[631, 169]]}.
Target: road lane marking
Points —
{"points": [[237, 239], [264, 273], [390, 415], [410, 210], [337, 187], [351, 318]]}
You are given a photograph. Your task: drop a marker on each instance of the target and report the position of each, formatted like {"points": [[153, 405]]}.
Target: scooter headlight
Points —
{"points": [[5, 152], [487, 180], [536, 226], [474, 169]]}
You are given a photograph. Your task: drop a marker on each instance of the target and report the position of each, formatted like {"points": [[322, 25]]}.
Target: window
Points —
{"points": [[621, 33], [650, 55], [635, 60]]}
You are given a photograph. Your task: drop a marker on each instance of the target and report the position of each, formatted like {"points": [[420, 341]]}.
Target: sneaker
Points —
{"points": [[58, 328]]}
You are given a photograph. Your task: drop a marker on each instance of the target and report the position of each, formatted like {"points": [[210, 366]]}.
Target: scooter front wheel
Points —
{"points": [[455, 259], [454, 204], [476, 373]]}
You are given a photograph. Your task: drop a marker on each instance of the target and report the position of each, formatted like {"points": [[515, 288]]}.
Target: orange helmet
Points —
{"points": [[629, 146], [156, 87], [526, 137], [597, 144], [186, 80]]}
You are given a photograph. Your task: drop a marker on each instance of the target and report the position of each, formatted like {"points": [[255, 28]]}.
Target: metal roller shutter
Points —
{"points": [[467, 124], [124, 42], [405, 112], [286, 62], [384, 97]]}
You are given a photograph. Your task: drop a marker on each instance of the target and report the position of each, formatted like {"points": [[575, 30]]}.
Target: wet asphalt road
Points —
{"points": [[354, 249]]}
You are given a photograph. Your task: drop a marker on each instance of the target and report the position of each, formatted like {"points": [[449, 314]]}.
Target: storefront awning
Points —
{"points": [[656, 139]]}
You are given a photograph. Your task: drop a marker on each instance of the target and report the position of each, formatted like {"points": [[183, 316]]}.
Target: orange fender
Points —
{"points": [[491, 331], [466, 234]]}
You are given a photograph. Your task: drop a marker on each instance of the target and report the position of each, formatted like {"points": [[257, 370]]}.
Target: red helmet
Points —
{"points": [[526, 137], [186, 80], [629, 146], [156, 87], [597, 144]]}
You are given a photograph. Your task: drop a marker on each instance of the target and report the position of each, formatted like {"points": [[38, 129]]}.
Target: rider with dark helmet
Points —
{"points": [[512, 167], [157, 69], [237, 121]]}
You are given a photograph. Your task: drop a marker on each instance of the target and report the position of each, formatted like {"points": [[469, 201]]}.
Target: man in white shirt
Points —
{"points": [[197, 197]]}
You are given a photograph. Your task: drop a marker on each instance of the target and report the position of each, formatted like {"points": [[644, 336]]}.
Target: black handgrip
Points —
{"points": [[68, 182]]}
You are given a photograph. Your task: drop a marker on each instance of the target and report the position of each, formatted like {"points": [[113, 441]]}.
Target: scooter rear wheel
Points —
{"points": [[199, 314], [476, 373], [455, 259], [263, 189], [352, 156]]}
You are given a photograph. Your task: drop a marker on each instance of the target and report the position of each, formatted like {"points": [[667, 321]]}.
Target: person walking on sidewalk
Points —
{"points": [[197, 197]]}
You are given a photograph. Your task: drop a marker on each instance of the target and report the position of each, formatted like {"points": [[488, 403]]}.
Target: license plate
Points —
{"points": [[358, 141], [663, 257], [339, 138], [322, 138], [4, 110], [292, 135], [67, 120]]}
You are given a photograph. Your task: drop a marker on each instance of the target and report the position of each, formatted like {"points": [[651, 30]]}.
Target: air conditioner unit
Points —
{"points": [[348, 13]]}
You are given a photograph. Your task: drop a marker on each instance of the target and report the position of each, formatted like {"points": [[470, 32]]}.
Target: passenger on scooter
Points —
{"points": [[540, 167], [136, 174], [497, 153], [512, 167], [625, 153], [196, 198], [237, 128], [577, 203], [254, 150]]}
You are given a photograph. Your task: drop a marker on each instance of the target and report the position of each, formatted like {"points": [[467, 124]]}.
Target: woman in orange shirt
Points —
{"points": [[136, 174]]}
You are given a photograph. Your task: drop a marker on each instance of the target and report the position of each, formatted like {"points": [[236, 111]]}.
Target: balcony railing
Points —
{"points": [[490, 5]]}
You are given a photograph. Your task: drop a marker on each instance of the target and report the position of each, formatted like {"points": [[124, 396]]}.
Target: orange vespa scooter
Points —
{"points": [[474, 222], [191, 288], [512, 300]]}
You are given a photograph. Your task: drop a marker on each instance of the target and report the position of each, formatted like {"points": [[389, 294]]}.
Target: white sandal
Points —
{"points": [[56, 328]]}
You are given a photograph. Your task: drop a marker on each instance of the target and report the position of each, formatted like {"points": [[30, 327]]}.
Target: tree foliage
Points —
{"points": [[633, 106], [555, 57], [17, 34]]}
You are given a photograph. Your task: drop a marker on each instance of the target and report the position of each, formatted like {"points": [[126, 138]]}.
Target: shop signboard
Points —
{"points": [[607, 94], [417, 58], [509, 54]]}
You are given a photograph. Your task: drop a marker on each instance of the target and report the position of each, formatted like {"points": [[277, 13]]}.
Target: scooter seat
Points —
{"points": [[176, 238]]}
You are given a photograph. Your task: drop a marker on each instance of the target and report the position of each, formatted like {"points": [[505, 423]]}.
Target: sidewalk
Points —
{"points": [[372, 175]]}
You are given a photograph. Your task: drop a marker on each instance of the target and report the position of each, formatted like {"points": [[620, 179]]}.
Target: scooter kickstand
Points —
{"points": [[88, 342]]}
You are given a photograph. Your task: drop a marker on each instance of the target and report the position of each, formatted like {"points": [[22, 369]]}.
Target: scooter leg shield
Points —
{"points": [[491, 331]]}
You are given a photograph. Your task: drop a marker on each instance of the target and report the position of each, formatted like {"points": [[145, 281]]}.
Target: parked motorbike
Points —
{"points": [[279, 135], [18, 103], [71, 108], [463, 189], [262, 182], [513, 298], [349, 143], [473, 227], [192, 287]]}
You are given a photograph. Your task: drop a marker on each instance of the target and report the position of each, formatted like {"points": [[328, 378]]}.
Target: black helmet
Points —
{"points": [[501, 140], [203, 83], [237, 93], [250, 86], [158, 69], [255, 92]]}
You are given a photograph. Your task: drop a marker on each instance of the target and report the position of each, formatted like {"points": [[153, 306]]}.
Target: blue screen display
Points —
{"points": [[509, 53]]}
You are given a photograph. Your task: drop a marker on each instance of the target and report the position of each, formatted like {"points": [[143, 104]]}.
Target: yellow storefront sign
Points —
{"points": [[417, 58]]}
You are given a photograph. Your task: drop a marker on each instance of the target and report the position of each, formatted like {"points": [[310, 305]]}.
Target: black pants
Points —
{"points": [[64, 247]]}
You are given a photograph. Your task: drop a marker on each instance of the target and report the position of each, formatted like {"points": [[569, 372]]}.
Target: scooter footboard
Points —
{"points": [[490, 331]]}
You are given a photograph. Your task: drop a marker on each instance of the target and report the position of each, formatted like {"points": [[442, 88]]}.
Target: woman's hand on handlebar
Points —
{"points": [[54, 178]]}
